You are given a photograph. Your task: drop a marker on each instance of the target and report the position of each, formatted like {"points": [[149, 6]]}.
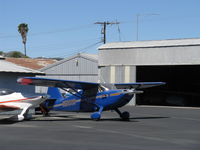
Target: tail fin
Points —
{"points": [[54, 93]]}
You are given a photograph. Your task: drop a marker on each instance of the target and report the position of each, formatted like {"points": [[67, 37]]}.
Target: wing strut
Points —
{"points": [[81, 96], [73, 89]]}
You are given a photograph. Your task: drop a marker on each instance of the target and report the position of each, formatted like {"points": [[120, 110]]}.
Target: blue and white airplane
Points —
{"points": [[87, 96]]}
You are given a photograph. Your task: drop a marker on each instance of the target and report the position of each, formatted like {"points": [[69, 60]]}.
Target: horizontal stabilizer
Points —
{"points": [[137, 85]]}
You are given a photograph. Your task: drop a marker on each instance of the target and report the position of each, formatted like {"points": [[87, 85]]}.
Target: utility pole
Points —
{"points": [[103, 31]]}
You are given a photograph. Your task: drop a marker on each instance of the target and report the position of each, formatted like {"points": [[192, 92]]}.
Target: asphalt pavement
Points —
{"points": [[150, 128]]}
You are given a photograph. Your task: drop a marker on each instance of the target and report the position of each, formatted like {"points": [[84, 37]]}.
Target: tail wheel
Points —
{"points": [[125, 116]]}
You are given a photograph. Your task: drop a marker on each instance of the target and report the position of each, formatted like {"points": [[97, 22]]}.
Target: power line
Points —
{"points": [[63, 30], [80, 50], [57, 46], [85, 49], [92, 45], [50, 32]]}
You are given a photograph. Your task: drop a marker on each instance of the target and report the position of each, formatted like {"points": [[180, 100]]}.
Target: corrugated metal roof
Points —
{"points": [[6, 66], [31, 63], [91, 57], [159, 43]]}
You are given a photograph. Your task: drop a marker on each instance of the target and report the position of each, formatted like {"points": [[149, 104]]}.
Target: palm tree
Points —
{"points": [[23, 30]]}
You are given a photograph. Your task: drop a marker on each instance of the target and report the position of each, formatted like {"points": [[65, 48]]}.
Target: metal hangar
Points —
{"points": [[176, 62], [80, 67]]}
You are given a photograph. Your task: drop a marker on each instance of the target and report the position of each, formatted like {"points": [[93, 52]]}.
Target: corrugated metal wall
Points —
{"points": [[120, 74], [75, 67], [185, 55], [78, 68], [104, 75], [9, 81]]}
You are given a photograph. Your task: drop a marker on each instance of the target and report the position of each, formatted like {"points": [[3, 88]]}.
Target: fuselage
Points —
{"points": [[109, 100]]}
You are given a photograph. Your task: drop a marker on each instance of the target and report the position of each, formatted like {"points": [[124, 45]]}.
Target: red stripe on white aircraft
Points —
{"points": [[18, 100]]}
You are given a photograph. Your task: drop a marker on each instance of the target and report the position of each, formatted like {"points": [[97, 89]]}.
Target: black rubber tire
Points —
{"points": [[125, 116]]}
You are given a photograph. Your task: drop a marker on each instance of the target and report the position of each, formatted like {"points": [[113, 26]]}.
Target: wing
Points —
{"points": [[89, 88], [56, 83], [137, 85], [82, 85]]}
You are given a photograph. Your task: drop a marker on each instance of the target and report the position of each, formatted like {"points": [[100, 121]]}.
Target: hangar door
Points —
{"points": [[182, 85]]}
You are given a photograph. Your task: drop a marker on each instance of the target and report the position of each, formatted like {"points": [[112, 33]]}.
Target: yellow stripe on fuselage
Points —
{"points": [[115, 94], [68, 103]]}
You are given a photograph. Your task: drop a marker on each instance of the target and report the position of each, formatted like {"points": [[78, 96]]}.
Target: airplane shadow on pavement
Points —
{"points": [[55, 118], [75, 118], [7, 121]]}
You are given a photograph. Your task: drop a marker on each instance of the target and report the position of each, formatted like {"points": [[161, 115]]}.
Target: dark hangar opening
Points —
{"points": [[182, 85]]}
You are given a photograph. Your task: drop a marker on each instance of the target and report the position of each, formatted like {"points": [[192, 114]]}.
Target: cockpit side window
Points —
{"points": [[5, 92]]}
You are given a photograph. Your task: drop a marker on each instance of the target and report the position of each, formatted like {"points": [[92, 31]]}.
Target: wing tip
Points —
{"points": [[24, 81]]}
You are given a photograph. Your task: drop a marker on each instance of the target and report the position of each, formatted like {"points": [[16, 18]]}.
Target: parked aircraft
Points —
{"points": [[10, 101], [87, 96]]}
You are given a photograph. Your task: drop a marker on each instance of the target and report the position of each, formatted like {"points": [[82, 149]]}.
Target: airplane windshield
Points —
{"points": [[102, 88], [5, 92]]}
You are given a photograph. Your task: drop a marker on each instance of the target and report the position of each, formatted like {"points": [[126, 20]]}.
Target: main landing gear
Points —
{"points": [[44, 110], [97, 115], [23, 115], [124, 116]]}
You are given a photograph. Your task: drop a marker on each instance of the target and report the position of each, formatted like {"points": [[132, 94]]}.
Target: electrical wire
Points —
{"points": [[51, 32], [63, 30], [81, 50]]}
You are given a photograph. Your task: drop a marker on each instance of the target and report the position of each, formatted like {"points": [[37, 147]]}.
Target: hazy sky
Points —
{"points": [[61, 28]]}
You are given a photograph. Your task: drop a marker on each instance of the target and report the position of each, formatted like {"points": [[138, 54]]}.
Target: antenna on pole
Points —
{"points": [[137, 23], [103, 30]]}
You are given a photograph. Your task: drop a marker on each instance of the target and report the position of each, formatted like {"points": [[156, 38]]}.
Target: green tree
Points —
{"points": [[15, 54], [23, 30], [1, 53]]}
